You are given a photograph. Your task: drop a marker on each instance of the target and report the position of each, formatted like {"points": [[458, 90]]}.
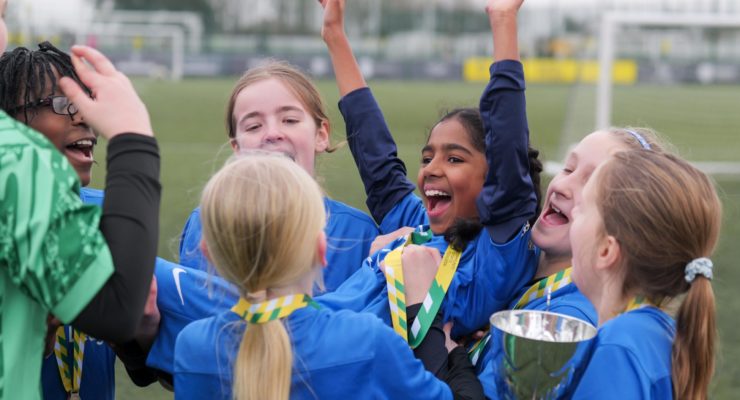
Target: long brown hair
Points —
{"points": [[665, 213], [262, 216], [295, 80]]}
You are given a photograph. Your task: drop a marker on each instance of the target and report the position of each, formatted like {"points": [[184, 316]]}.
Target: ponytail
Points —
{"points": [[263, 365], [694, 346]]}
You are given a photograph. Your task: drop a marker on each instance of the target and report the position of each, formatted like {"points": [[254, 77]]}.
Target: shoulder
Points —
{"points": [[338, 211], [645, 336], [206, 344]]}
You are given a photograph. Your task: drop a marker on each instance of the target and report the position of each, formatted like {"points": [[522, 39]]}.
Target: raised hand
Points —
{"points": [[503, 6], [502, 16], [333, 18], [115, 107], [420, 265]]}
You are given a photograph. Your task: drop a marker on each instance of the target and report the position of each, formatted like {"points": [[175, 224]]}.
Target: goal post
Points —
{"points": [[610, 24]]}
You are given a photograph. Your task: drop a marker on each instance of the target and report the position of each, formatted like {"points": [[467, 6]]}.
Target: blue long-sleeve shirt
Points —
{"points": [[507, 199], [488, 274]]}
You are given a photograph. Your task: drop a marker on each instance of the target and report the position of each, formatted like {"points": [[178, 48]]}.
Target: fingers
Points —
{"points": [[97, 60], [74, 92]]}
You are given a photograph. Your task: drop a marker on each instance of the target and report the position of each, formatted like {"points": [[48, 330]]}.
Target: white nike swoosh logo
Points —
{"points": [[176, 273]]}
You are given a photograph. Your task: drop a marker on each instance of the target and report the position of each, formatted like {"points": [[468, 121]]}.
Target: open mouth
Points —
{"points": [[438, 202], [82, 149], [554, 216]]}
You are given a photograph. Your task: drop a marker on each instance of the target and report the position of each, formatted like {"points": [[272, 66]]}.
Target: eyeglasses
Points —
{"points": [[59, 104]]}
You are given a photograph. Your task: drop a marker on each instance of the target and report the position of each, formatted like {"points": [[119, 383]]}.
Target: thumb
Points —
{"points": [[74, 93], [447, 328]]}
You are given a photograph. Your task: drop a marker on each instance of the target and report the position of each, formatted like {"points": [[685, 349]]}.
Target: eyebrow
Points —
{"points": [[448, 147], [279, 110]]}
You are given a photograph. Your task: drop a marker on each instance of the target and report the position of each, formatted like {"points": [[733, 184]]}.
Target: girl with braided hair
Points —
{"points": [[55, 256]]}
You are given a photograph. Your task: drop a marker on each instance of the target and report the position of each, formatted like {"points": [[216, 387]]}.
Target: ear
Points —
{"points": [[609, 252], [234, 145], [321, 249], [204, 250], [322, 137]]}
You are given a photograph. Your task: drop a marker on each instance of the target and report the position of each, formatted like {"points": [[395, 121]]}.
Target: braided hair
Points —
{"points": [[24, 75]]}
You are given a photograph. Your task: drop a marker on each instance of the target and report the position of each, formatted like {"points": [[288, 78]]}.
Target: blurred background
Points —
{"points": [[672, 65]]}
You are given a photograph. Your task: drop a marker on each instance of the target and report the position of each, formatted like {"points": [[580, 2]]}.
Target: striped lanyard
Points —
{"points": [[433, 299], [70, 365], [539, 289], [266, 311], [635, 303]]}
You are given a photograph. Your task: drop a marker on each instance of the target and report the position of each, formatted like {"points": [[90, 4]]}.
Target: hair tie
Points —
{"points": [[645, 145], [699, 266]]}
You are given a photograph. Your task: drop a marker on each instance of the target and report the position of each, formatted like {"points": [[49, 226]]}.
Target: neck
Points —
{"points": [[609, 301], [303, 285], [549, 265]]}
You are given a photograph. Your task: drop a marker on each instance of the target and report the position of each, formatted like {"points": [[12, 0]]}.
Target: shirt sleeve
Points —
{"points": [[51, 247], [507, 200], [374, 152], [190, 253]]}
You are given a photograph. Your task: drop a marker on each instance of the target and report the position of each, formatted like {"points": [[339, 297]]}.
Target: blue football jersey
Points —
{"points": [[349, 234], [337, 355]]}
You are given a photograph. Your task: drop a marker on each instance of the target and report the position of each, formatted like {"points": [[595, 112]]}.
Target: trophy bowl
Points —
{"points": [[542, 354]]}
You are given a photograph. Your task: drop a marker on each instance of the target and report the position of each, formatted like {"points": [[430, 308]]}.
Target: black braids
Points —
{"points": [[24, 75]]}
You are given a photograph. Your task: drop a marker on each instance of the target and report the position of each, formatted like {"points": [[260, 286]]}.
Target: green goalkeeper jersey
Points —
{"points": [[53, 258]]}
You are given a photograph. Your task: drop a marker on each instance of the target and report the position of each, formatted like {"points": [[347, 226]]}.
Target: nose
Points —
{"points": [[432, 168], [563, 186], [76, 117], [273, 134]]}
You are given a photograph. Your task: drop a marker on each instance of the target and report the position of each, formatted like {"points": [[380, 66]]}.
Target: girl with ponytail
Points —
{"points": [[263, 219], [641, 236]]}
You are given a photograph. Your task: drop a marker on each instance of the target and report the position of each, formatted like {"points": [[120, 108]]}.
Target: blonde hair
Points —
{"points": [[295, 80], [262, 216], [666, 213]]}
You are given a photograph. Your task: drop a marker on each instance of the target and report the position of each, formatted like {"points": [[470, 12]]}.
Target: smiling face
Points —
{"points": [[269, 116], [71, 136], [551, 231], [587, 237], [451, 175]]}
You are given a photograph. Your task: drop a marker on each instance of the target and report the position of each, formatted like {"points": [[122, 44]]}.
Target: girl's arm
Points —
{"points": [[370, 140], [508, 199]]}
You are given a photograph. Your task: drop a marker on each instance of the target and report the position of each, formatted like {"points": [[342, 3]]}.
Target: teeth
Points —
{"points": [[84, 142], [557, 210], [431, 193]]}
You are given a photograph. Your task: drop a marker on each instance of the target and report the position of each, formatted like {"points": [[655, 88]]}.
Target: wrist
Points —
{"points": [[502, 16], [333, 34]]}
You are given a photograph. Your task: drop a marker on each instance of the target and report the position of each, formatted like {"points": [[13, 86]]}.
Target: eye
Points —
{"points": [[425, 160], [252, 128], [454, 160], [567, 170], [291, 121]]}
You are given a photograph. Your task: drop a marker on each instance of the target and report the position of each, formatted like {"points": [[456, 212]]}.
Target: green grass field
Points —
{"points": [[702, 122]]}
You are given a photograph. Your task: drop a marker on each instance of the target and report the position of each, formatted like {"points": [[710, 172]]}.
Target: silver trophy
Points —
{"points": [[541, 354]]}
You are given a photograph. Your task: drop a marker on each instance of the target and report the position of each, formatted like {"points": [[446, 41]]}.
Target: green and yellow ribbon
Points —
{"points": [[539, 289], [432, 301], [266, 311], [70, 370]]}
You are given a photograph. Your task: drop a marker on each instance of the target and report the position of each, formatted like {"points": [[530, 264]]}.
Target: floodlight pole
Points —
{"points": [[609, 23]]}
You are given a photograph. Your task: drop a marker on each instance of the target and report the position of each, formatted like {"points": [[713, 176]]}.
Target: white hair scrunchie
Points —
{"points": [[699, 266]]}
